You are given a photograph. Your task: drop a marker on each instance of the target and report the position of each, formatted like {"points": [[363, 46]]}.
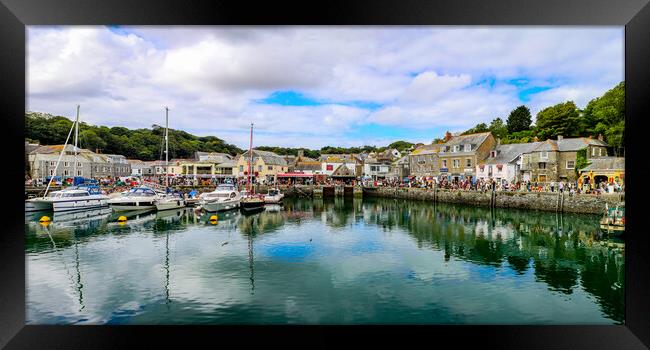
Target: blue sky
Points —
{"points": [[316, 86]]}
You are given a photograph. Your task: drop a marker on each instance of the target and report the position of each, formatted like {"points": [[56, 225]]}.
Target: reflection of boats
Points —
{"points": [[138, 198], [274, 196], [170, 215], [251, 205], [224, 197], [273, 207], [613, 221], [135, 217]]}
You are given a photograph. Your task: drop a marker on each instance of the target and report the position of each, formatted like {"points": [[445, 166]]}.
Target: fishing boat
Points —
{"points": [[613, 221], [224, 197], [138, 198], [251, 202], [81, 197], [170, 200], [274, 196]]}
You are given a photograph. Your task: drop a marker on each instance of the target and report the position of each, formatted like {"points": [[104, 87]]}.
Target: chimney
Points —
{"points": [[301, 153], [600, 137], [559, 137], [447, 136]]}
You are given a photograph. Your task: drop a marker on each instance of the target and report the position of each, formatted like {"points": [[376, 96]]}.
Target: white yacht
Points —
{"points": [[74, 198], [138, 198], [224, 197], [170, 201], [273, 197]]}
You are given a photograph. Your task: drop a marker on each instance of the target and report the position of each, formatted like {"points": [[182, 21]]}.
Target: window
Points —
{"points": [[51, 172], [270, 167], [259, 168], [52, 163], [456, 163], [78, 172], [66, 172], [78, 164], [543, 155], [65, 164], [444, 163], [542, 165], [241, 168], [330, 167], [468, 148], [570, 164], [456, 148], [493, 154], [603, 152], [593, 152]]}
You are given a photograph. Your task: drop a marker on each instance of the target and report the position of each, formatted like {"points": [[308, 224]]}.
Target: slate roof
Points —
{"points": [[568, 145], [507, 153], [343, 171], [606, 163], [426, 149], [269, 158], [476, 140]]}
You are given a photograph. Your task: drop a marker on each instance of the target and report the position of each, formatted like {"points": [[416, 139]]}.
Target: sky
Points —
{"points": [[316, 86]]}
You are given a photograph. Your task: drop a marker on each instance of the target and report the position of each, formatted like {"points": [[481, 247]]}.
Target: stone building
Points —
{"points": [[330, 162], [266, 165], [423, 161], [86, 163], [504, 162], [459, 155], [604, 169], [555, 160]]}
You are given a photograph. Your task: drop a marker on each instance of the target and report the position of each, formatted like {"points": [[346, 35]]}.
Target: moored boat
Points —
{"points": [[613, 221], [73, 198], [224, 197], [170, 201], [138, 198], [274, 196]]}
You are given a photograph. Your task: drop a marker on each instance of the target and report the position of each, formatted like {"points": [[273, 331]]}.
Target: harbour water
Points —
{"points": [[332, 261]]}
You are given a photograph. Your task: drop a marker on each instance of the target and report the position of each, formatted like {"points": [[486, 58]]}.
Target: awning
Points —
{"points": [[295, 175]]}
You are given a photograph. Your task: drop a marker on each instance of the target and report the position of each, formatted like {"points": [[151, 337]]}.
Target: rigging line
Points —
{"points": [[58, 251]]}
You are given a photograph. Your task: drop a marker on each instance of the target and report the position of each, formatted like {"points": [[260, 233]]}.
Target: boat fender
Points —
{"points": [[44, 218], [121, 219]]}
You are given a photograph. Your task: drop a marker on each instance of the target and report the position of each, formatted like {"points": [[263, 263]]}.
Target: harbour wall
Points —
{"points": [[558, 202]]}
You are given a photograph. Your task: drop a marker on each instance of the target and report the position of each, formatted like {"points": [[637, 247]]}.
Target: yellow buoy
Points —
{"points": [[121, 219], [45, 223], [44, 219], [214, 218]]}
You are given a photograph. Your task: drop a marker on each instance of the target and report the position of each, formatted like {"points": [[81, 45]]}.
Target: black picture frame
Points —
{"points": [[16, 14]]}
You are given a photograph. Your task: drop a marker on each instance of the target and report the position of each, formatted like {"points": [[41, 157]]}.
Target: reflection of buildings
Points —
{"points": [[560, 250]]}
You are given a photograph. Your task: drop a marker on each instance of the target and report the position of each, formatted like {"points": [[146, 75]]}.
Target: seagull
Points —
{"points": [[224, 243]]}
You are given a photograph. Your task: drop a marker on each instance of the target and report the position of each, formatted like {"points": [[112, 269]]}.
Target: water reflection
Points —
{"points": [[325, 261]]}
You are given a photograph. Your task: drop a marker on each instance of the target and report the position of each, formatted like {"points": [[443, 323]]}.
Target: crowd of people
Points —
{"points": [[467, 184]]}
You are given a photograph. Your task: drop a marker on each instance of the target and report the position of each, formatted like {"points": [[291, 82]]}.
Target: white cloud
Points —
{"points": [[212, 77]]}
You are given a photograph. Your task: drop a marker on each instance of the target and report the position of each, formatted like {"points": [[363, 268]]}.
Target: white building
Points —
{"points": [[504, 162]]}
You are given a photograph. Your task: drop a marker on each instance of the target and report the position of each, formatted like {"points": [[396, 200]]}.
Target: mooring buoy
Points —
{"points": [[121, 219], [45, 218]]}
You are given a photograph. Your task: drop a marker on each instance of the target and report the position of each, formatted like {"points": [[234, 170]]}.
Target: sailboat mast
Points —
{"points": [[76, 142], [166, 146], [58, 161], [250, 159]]}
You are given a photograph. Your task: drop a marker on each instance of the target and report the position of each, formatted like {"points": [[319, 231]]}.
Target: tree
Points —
{"points": [[519, 119], [481, 127], [606, 115], [498, 128], [561, 119]]}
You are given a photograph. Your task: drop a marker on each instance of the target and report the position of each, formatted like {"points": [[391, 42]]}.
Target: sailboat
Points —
{"points": [[251, 202], [171, 200], [81, 197]]}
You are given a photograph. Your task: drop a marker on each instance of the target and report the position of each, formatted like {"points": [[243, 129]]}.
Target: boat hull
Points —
{"points": [[60, 206], [273, 199], [615, 230], [133, 205], [251, 206], [173, 204], [221, 206]]}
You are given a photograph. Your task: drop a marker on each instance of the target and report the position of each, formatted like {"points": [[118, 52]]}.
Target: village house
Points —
{"points": [[555, 160], [330, 162], [604, 169], [400, 168], [140, 168], [305, 165], [504, 162], [423, 161], [459, 155], [42, 163], [266, 165]]}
